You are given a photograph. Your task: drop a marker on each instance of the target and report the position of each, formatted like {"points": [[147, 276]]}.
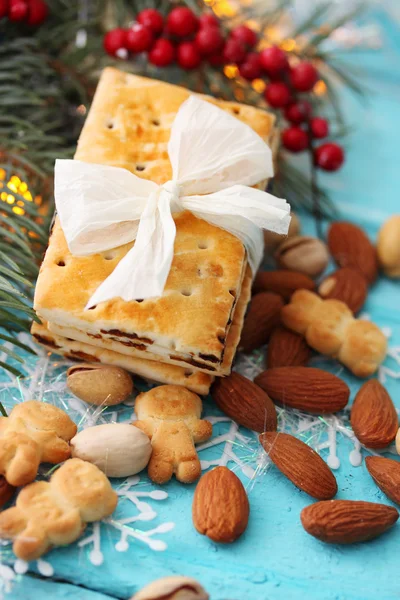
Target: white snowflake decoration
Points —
{"points": [[146, 513]]}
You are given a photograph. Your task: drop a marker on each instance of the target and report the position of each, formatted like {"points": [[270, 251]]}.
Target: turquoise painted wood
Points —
{"points": [[276, 559]]}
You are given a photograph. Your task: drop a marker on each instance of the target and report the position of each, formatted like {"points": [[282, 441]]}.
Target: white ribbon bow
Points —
{"points": [[214, 157]]}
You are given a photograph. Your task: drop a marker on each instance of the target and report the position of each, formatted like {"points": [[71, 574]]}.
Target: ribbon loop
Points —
{"points": [[214, 157]]}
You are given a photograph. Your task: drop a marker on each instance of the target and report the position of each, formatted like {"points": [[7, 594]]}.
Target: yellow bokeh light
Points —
{"points": [[320, 88], [258, 85], [15, 185], [18, 210], [288, 45], [231, 71], [223, 8]]}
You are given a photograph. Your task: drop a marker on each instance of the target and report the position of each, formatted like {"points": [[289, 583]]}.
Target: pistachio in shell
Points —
{"points": [[99, 384]]}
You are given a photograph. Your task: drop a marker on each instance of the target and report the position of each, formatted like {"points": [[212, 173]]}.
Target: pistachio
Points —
{"points": [[172, 588], [272, 240], [388, 247], [99, 384], [118, 449], [304, 254]]}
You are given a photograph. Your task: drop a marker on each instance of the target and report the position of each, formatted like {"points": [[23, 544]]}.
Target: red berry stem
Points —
{"points": [[315, 197]]}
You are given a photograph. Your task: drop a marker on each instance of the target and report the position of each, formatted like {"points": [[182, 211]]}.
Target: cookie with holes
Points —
{"points": [[190, 324]]}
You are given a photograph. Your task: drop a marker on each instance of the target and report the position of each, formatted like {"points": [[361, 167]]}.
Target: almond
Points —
{"points": [[347, 521], [373, 416], [6, 491], [287, 349], [300, 463], [350, 247], [220, 506], [305, 388], [244, 402], [347, 285], [263, 315], [386, 474], [282, 282]]}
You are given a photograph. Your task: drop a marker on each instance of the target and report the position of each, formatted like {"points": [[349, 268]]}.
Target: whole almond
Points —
{"points": [[287, 349], [373, 416], [303, 253], [6, 491], [172, 588], [386, 474], [300, 463], [282, 282], [220, 506], [245, 402], [347, 521], [350, 247], [99, 384], [263, 315], [305, 388], [347, 285], [388, 246]]}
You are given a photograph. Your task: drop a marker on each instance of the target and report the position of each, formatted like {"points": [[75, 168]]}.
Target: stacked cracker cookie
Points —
{"points": [[189, 335]]}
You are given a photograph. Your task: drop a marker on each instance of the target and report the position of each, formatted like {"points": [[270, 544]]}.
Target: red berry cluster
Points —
{"points": [[33, 12], [181, 37], [282, 92], [184, 38]]}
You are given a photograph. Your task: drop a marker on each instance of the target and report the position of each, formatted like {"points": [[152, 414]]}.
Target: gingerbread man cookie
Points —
{"points": [[34, 432], [55, 513], [170, 416], [330, 328]]}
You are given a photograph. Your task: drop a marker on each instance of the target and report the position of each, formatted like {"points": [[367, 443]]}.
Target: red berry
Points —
{"points": [[114, 40], [273, 60], [181, 21], [209, 40], [38, 12], [294, 139], [304, 76], [319, 127], [234, 51], [298, 112], [188, 56], [3, 8], [151, 18], [250, 69], [329, 156], [208, 20], [162, 53], [244, 34], [139, 38], [216, 60], [18, 10], [277, 94]]}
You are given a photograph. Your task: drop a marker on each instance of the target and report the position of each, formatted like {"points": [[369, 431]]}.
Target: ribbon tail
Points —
{"points": [[244, 212], [143, 271]]}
